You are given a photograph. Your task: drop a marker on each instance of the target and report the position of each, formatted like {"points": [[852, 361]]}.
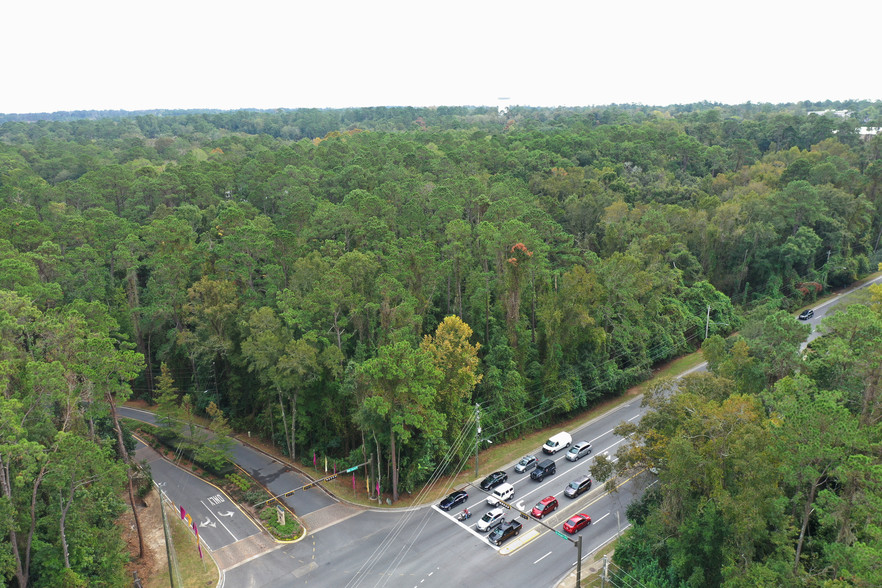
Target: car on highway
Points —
{"points": [[544, 507], [493, 480], [504, 532], [557, 442], [806, 314], [528, 462], [577, 523], [578, 486], [501, 492], [453, 499], [580, 449], [491, 519], [545, 468]]}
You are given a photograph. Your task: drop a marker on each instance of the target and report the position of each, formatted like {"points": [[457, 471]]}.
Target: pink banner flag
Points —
{"points": [[199, 547], [313, 459], [183, 513], [353, 481]]}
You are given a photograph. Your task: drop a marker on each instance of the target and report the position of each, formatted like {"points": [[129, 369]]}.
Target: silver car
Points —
{"points": [[490, 519], [580, 449], [528, 462]]}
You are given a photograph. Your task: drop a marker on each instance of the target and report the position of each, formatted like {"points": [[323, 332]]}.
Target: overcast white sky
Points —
{"points": [[98, 54]]}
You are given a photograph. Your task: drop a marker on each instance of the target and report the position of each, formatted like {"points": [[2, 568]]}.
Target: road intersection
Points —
{"points": [[351, 546]]}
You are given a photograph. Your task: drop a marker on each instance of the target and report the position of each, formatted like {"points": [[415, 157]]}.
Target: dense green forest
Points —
{"points": [[353, 281]]}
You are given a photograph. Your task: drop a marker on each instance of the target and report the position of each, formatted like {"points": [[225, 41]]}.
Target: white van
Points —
{"points": [[560, 441], [501, 492]]}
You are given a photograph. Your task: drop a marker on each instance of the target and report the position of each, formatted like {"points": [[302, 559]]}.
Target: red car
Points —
{"points": [[577, 523], [544, 507]]}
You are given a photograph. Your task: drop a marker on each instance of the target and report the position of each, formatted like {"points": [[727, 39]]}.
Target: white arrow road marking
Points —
{"points": [[520, 505], [221, 522], [226, 514], [207, 523]]}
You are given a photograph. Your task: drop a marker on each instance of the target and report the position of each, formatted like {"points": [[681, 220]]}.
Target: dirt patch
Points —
{"points": [[154, 557]]}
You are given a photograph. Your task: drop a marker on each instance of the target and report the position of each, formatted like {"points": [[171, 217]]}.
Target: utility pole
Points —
{"points": [[603, 573], [477, 435], [579, 563], [707, 323]]}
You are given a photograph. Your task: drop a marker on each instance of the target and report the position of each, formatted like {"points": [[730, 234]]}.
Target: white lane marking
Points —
{"points": [[466, 527], [636, 416], [600, 519], [541, 558], [220, 521]]}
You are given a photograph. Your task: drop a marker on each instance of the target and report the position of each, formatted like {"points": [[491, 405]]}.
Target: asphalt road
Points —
{"points": [[270, 472], [220, 522], [427, 547]]}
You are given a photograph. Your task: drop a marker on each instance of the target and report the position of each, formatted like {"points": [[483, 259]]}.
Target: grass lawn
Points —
{"points": [[194, 572]]}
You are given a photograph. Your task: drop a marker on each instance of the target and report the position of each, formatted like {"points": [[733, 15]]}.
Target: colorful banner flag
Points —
{"points": [[326, 464], [313, 459], [183, 513]]}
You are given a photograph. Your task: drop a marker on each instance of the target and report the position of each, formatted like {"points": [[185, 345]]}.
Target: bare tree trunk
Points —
{"points": [[21, 573], [285, 423], [807, 511], [61, 523], [293, 425], [125, 456], [394, 466]]}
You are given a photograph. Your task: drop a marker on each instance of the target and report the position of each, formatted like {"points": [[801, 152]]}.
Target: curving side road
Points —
{"points": [[267, 470]]}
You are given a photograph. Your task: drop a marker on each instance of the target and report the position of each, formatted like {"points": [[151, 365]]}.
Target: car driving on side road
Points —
{"points": [[806, 314], [493, 480], [453, 499], [504, 532], [490, 519], [528, 462]]}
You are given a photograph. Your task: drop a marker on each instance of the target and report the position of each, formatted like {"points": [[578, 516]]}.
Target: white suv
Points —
{"points": [[490, 520]]}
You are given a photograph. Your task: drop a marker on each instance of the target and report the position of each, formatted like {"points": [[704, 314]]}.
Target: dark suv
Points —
{"points": [[545, 468]]}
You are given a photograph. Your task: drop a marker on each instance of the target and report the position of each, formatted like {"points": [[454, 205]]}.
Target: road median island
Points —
{"points": [[518, 542]]}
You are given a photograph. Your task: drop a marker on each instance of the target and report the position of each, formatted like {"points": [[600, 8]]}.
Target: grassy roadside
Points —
{"points": [[193, 571]]}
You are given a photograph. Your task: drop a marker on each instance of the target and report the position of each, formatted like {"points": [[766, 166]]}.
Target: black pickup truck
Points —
{"points": [[505, 531]]}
